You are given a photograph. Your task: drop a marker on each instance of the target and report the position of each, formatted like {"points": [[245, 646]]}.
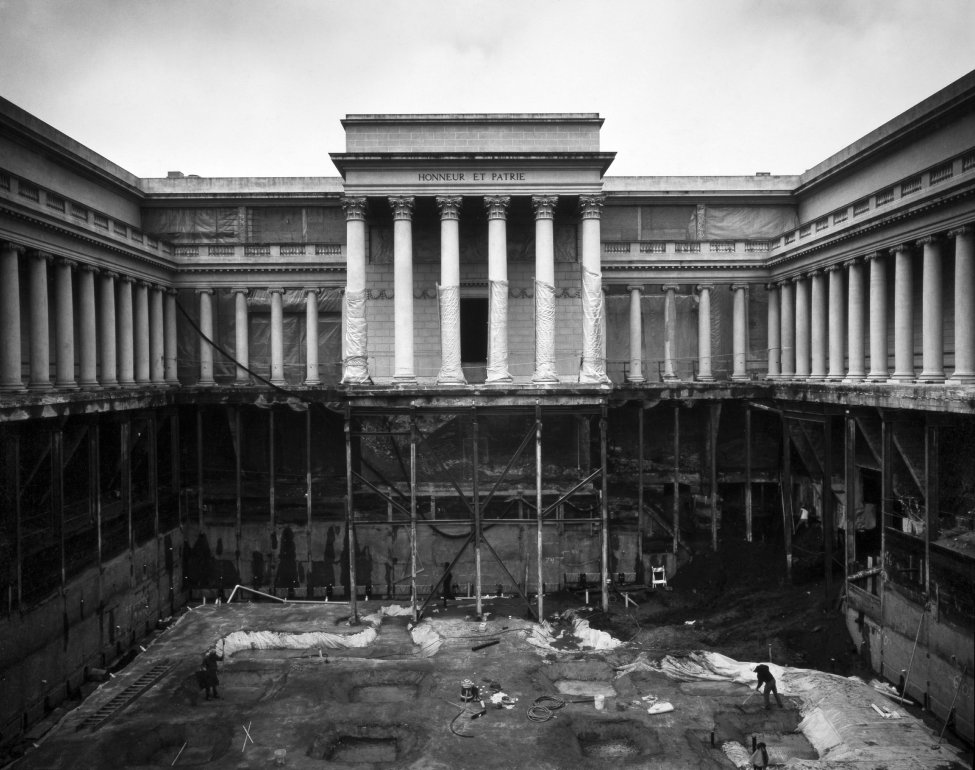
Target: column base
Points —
{"points": [[313, 382], [40, 386], [281, 383], [932, 377], [961, 378], [68, 385], [854, 377], [878, 377], [404, 380], [901, 378], [172, 383], [588, 380], [706, 378], [504, 379], [12, 387], [544, 379], [816, 378], [671, 378], [740, 378], [635, 380], [90, 385]]}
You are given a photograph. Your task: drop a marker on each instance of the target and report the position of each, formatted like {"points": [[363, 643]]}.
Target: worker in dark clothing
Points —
{"points": [[209, 669], [765, 677], [759, 758], [447, 591]]}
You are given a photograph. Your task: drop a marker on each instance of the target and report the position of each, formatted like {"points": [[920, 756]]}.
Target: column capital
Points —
{"points": [[544, 206], [239, 290], [354, 207], [144, 284], [872, 256], [675, 287], [203, 291], [795, 279], [171, 292], [275, 290], [703, 287], [900, 247], [635, 287], [109, 274], [833, 268], [963, 230], [14, 247], [814, 273], [591, 206], [42, 255], [65, 262], [497, 206], [310, 289], [130, 279], [449, 206], [928, 240], [738, 286], [772, 286], [852, 261], [402, 206], [88, 268]]}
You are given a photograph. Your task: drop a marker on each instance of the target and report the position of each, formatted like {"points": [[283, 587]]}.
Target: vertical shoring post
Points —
{"points": [[604, 508], [749, 534], [639, 495], [308, 496], [126, 457], [849, 552], [270, 467], [98, 499], [413, 434], [238, 471], [350, 517], [886, 499], [475, 456], [93, 475], [829, 520], [538, 500], [676, 509], [199, 466], [787, 497], [154, 474], [57, 493], [19, 523], [932, 497], [713, 422], [174, 455]]}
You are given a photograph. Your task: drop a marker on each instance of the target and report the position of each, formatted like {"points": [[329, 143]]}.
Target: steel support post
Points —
{"points": [[714, 418], [57, 494], [829, 520], [477, 517], [308, 502], [676, 508], [239, 488], [786, 486], [640, 576], [153, 452], [538, 500], [199, 466], [849, 552], [413, 434], [749, 535], [350, 518], [604, 509], [932, 496], [126, 459], [270, 463], [886, 502]]}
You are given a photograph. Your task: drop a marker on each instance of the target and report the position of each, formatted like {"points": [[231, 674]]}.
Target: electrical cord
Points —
{"points": [[543, 708]]}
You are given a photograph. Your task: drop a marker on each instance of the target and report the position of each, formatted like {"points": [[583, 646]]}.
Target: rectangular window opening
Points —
{"points": [[474, 337]]}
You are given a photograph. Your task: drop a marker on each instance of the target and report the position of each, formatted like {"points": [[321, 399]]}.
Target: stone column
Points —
{"points": [[964, 305], [64, 325], [10, 350], [837, 322], [704, 373], [157, 337], [932, 313], [774, 335], [593, 368], [141, 326], [787, 316], [241, 337], [803, 327], [355, 368], [903, 315], [107, 335], [545, 368], [403, 333], [451, 371], [40, 334], [206, 329], [856, 370], [670, 331], [87, 336], [817, 325], [169, 341], [636, 335], [497, 347], [277, 336], [878, 317], [739, 332], [126, 338], [311, 337]]}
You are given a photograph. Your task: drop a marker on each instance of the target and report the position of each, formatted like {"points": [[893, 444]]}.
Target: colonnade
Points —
{"points": [[355, 365], [813, 318], [126, 335]]}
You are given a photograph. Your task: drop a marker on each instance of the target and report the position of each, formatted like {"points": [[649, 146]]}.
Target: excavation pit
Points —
{"points": [[170, 745], [775, 728], [379, 683], [585, 688], [367, 744], [616, 741]]}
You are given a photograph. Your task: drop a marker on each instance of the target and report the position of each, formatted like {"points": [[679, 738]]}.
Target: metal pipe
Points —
{"points": [[676, 508], [538, 500], [786, 488], [349, 516], [639, 497], [749, 535], [604, 509], [415, 615], [477, 514]]}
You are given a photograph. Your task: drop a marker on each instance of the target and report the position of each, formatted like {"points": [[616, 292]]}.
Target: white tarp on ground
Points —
{"points": [[236, 641], [542, 635]]}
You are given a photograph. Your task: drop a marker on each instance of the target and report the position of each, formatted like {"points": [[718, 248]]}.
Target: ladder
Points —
{"points": [[124, 698]]}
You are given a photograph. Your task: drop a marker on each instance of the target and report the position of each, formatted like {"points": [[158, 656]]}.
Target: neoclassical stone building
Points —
{"points": [[475, 326]]}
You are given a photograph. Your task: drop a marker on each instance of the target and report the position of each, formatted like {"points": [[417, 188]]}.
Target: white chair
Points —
{"points": [[658, 577]]}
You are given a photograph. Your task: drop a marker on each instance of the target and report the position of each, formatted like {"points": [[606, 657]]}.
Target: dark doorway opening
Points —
{"points": [[473, 337]]}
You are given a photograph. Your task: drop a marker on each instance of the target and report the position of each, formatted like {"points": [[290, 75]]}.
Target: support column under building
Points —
{"points": [[932, 313], [856, 368], [670, 331], [64, 324], [704, 373], [878, 317], [87, 337], [241, 336], [497, 348], [10, 345], [107, 340], [311, 337], [636, 335], [964, 305], [802, 328], [740, 332], [774, 333], [277, 336], [545, 369], [787, 316], [206, 330], [403, 331], [837, 322], [593, 369], [355, 366], [903, 315], [40, 339], [448, 292]]}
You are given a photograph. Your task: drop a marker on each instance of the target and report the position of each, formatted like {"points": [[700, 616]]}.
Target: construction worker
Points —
{"points": [[765, 677], [209, 669], [759, 758]]}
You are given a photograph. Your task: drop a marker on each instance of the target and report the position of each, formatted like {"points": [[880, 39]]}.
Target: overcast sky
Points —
{"points": [[241, 87]]}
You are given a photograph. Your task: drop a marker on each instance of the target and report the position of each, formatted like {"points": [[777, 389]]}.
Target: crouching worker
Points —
{"points": [[759, 759], [765, 677], [208, 672]]}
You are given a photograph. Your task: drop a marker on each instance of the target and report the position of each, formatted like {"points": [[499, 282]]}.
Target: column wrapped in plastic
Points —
{"points": [[497, 365], [450, 366], [545, 332], [593, 367], [356, 362]]}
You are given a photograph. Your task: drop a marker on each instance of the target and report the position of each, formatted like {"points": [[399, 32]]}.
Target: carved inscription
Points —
{"points": [[471, 176]]}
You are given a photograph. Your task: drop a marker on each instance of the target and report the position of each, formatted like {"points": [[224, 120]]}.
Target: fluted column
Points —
{"points": [[593, 369], [64, 376], [856, 369], [878, 317], [87, 337], [141, 325], [10, 350], [545, 369], [837, 322], [277, 336], [704, 373], [817, 325], [241, 337], [787, 317], [107, 334], [774, 333], [206, 329], [403, 333], [157, 337], [169, 339], [126, 333], [636, 335], [451, 370], [739, 331], [903, 315], [355, 367], [40, 333], [311, 337], [932, 313], [964, 305], [497, 348], [803, 328], [670, 331]]}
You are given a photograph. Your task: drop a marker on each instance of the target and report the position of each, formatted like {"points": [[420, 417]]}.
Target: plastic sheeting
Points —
{"points": [[295, 224], [236, 641], [593, 368], [668, 223], [729, 223], [356, 338], [497, 365], [450, 367], [545, 331], [196, 225]]}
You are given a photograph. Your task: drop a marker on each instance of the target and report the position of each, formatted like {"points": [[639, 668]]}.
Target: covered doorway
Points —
{"points": [[474, 337]]}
